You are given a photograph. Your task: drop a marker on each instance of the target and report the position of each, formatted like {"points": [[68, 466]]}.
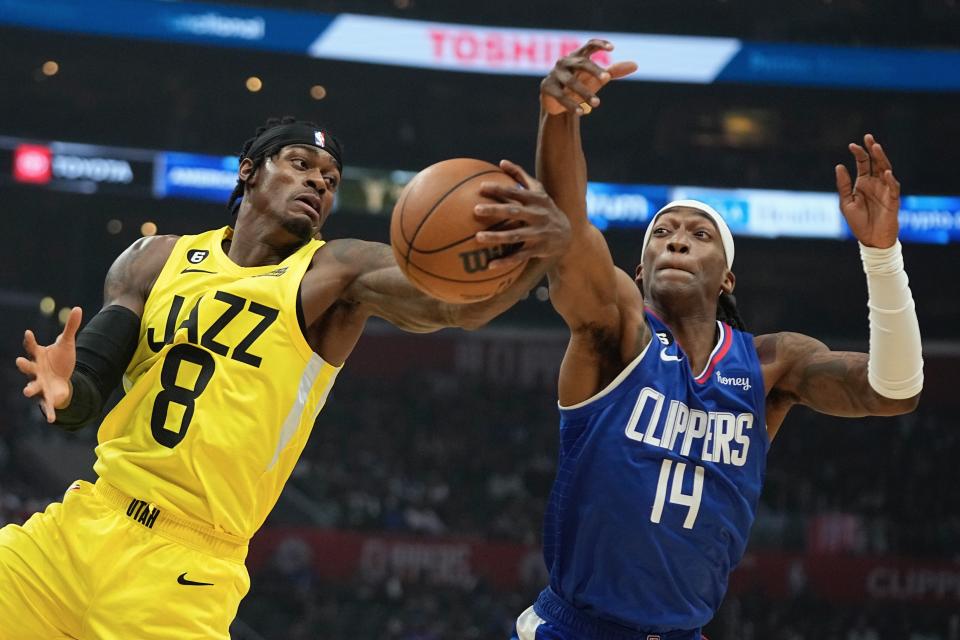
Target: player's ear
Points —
{"points": [[245, 173], [638, 278], [729, 282]]}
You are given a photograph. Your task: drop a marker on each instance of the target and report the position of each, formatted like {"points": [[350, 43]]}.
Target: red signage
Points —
{"points": [[460, 562], [498, 48], [453, 562], [849, 578], [32, 164]]}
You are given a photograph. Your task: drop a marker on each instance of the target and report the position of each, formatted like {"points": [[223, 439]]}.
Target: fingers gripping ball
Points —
{"points": [[433, 227]]}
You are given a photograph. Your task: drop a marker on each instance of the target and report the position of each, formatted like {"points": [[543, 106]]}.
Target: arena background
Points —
{"points": [[415, 510]]}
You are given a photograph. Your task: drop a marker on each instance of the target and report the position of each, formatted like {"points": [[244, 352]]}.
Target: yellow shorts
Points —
{"points": [[105, 566]]}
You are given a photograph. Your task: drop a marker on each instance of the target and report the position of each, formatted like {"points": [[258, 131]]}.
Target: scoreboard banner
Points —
{"points": [[490, 49]]}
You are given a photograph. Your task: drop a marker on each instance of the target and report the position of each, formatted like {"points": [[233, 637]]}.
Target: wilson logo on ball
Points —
{"points": [[478, 260], [434, 226]]}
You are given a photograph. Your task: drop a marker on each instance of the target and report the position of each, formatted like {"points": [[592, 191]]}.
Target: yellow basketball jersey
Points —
{"points": [[222, 392]]}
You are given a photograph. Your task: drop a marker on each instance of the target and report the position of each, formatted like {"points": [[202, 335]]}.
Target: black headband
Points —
{"points": [[296, 133]]}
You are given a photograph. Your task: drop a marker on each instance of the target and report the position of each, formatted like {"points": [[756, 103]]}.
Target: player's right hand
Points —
{"points": [[50, 367], [573, 82], [532, 219]]}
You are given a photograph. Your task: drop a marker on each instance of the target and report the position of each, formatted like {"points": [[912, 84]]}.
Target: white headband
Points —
{"points": [[725, 236]]}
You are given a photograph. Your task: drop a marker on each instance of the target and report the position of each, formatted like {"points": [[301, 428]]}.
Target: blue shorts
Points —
{"points": [[551, 618]]}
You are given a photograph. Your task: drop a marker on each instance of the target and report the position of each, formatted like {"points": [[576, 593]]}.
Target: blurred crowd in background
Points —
{"points": [[298, 605], [437, 456], [441, 457]]}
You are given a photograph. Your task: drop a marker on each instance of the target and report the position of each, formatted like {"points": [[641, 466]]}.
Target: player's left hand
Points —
{"points": [[575, 79], [529, 218], [49, 367], [871, 204]]}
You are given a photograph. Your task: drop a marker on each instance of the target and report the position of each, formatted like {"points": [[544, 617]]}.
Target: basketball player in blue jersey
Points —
{"points": [[228, 343], [668, 407]]}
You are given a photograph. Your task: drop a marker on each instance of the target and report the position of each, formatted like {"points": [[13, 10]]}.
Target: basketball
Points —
{"points": [[432, 232]]}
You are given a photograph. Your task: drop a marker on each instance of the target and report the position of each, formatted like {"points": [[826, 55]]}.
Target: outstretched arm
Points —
{"points": [[72, 377], [382, 290], [888, 379], [831, 382], [584, 284], [600, 303]]}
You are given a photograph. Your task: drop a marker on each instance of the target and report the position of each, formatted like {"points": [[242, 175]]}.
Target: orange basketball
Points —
{"points": [[432, 232]]}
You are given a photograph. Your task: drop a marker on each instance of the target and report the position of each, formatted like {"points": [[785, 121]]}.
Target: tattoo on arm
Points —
{"points": [[836, 383], [382, 289], [132, 274], [119, 278], [365, 255], [831, 382]]}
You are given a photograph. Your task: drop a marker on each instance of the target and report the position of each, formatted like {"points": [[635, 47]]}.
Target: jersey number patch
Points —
{"points": [[188, 352], [691, 501], [174, 393]]}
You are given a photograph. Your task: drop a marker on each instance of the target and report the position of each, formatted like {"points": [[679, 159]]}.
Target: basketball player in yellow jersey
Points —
{"points": [[228, 343]]}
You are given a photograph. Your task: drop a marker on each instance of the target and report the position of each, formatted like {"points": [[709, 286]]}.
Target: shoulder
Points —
{"points": [[783, 357], [146, 256], [133, 273], [785, 347], [153, 246], [628, 293], [356, 256]]}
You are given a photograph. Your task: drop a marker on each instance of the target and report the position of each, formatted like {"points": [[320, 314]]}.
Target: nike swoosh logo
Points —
{"points": [[196, 271], [666, 357], [182, 579]]}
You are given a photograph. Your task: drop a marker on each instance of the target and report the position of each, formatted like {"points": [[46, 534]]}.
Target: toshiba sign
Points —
{"points": [[447, 46], [510, 49], [481, 49]]}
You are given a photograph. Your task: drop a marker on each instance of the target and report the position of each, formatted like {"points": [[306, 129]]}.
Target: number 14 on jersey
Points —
{"points": [[691, 501]]}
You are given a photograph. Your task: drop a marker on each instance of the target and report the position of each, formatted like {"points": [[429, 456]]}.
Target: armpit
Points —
{"points": [[605, 343]]}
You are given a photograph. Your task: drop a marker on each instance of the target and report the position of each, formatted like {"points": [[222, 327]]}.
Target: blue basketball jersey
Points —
{"points": [[657, 486]]}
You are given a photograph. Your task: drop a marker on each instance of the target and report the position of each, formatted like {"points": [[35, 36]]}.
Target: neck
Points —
{"points": [[693, 325], [254, 243]]}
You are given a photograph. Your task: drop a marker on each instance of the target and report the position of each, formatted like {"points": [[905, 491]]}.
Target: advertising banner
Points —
{"points": [[462, 562], [769, 213], [497, 49], [186, 22], [452, 562], [81, 168], [191, 175], [762, 213]]}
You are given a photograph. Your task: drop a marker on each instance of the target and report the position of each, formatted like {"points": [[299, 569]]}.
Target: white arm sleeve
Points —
{"points": [[895, 366]]}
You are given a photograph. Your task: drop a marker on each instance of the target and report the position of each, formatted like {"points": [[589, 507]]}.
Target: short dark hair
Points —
{"points": [[236, 196]]}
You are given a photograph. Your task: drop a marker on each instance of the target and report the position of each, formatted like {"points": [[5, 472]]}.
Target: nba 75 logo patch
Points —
{"points": [[196, 256]]}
